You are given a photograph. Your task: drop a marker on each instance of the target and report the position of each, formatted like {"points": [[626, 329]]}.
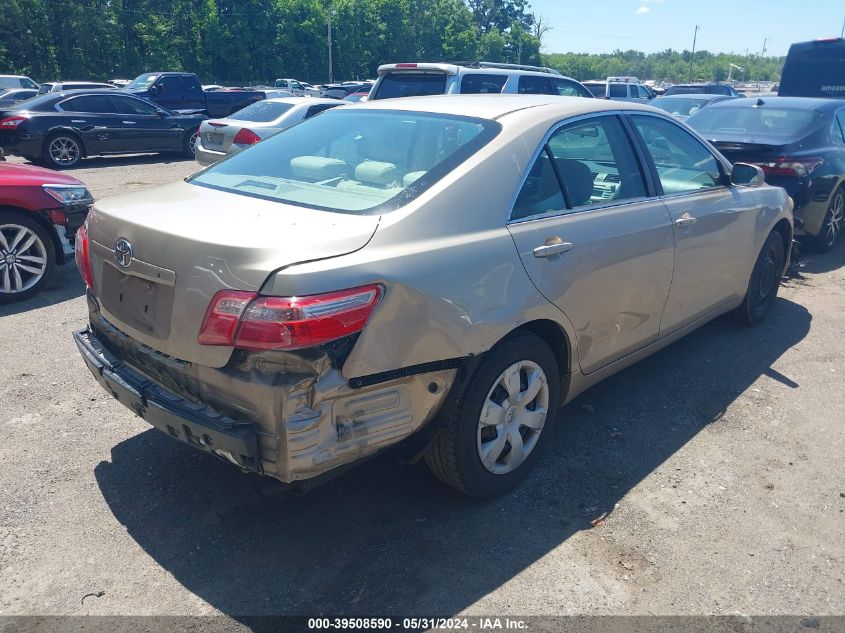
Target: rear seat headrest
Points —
{"points": [[317, 167], [376, 172]]}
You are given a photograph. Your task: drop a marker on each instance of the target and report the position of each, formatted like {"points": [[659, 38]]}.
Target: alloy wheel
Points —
{"points": [[512, 417], [835, 219], [23, 258], [64, 151], [192, 142]]}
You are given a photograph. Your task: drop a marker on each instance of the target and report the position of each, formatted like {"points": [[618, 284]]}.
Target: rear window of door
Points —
{"points": [[89, 103], [128, 105], [683, 163], [404, 84], [314, 110], [618, 91], [482, 84], [190, 86], [169, 86], [531, 85]]}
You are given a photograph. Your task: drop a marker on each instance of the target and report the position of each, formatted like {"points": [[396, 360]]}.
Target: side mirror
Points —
{"points": [[745, 175]]}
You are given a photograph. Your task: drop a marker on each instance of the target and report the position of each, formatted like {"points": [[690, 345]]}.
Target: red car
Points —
{"points": [[40, 211]]}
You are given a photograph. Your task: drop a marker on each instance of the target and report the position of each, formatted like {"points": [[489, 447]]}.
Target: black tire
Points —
{"points": [[189, 146], [764, 282], [453, 455], [58, 160], [43, 247], [832, 225]]}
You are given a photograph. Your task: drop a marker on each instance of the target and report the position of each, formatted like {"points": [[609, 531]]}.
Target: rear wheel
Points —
{"points": [[496, 427], [765, 281], [62, 150], [27, 257], [832, 224]]}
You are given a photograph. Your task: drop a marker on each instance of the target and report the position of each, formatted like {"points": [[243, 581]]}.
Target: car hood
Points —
{"points": [[190, 241], [12, 174]]}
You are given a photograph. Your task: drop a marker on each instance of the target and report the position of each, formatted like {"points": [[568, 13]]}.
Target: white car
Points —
{"points": [[255, 122], [292, 86], [17, 81]]}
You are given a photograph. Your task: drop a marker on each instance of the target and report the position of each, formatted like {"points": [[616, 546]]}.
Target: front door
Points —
{"points": [[593, 240], [713, 223]]}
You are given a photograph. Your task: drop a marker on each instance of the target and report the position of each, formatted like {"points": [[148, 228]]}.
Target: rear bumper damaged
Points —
{"points": [[288, 415]]}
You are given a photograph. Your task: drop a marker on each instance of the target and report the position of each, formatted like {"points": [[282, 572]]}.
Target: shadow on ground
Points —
{"points": [[65, 284], [120, 161], [383, 539]]}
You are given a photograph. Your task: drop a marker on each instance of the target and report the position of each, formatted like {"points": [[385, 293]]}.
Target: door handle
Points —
{"points": [[554, 247], [129, 122], [78, 121], [686, 220]]}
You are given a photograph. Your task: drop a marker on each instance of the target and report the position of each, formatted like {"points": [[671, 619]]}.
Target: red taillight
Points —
{"points": [[786, 166], [245, 321], [223, 316], [245, 136], [83, 257], [12, 121]]}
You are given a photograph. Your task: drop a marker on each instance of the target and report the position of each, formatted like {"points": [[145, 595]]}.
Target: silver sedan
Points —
{"points": [[255, 122]]}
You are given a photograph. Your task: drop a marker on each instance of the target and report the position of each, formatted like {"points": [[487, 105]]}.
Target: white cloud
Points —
{"points": [[642, 11]]}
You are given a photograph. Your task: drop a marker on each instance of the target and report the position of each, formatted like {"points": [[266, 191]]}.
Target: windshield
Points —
{"points": [[358, 161], [411, 84], [261, 112], [679, 106], [142, 82], [744, 121]]}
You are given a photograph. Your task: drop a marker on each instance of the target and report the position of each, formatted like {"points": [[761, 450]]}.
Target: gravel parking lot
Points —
{"points": [[717, 465]]}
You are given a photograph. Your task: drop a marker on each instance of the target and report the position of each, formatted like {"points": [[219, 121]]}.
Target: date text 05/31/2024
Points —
{"points": [[418, 624]]}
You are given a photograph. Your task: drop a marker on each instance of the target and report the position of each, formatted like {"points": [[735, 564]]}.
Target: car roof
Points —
{"points": [[496, 105], [799, 103], [709, 96], [300, 100]]}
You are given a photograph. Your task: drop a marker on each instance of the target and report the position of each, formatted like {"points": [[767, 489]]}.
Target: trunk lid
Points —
{"points": [[745, 149], [179, 244]]}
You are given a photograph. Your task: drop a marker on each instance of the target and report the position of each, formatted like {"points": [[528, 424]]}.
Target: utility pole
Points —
{"points": [[329, 38], [692, 56], [842, 32]]}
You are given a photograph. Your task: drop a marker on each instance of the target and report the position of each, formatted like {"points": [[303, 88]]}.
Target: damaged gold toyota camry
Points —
{"points": [[440, 271]]}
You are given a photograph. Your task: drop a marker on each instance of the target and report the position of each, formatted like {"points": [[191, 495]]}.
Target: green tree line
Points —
{"points": [[256, 41]]}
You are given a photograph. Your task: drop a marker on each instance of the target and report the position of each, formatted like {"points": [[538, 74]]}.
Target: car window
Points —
{"points": [[644, 94], [261, 111], [296, 85], [89, 103], [598, 89], [532, 85], [26, 82], [683, 163], [617, 90], [541, 192], [352, 161], [839, 126], [128, 105], [475, 83], [313, 110], [405, 84], [190, 86], [569, 88], [169, 85]]}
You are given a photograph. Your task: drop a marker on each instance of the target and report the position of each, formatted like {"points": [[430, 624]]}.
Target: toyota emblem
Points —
{"points": [[123, 252]]}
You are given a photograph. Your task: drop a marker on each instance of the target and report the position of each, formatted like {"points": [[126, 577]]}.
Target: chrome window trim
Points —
{"points": [[584, 207]]}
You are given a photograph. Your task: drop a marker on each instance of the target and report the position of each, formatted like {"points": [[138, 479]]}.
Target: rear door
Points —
{"points": [[714, 223], [192, 96], [94, 117], [593, 240], [533, 85]]}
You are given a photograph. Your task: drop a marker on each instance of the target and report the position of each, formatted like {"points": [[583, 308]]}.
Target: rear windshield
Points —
{"points": [[680, 106], [410, 84], [689, 90], [261, 112], [814, 71], [352, 161], [45, 88], [762, 121], [41, 103]]}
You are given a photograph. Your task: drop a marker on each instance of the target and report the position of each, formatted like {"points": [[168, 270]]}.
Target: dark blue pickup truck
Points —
{"points": [[183, 91]]}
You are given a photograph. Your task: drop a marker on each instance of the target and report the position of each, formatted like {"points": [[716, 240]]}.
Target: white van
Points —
{"points": [[17, 81], [417, 79]]}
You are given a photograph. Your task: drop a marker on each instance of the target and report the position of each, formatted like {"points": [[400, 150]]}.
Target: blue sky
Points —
{"points": [[598, 26]]}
